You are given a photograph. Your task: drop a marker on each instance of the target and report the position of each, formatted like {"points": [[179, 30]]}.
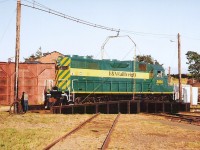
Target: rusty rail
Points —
{"points": [[107, 140], [191, 119], [71, 132], [195, 120]]}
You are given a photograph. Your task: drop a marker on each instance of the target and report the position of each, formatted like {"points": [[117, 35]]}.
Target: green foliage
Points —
{"points": [[35, 56], [146, 59], [194, 64], [38, 54]]}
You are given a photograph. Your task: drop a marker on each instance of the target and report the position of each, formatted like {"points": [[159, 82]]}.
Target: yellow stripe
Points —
{"points": [[57, 77], [63, 63], [109, 73], [64, 81], [64, 87], [63, 74], [68, 62]]}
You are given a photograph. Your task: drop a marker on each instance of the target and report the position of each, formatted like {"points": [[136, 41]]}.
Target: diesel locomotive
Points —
{"points": [[82, 79]]}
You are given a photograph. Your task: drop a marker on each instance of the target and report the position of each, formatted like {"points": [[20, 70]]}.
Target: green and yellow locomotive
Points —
{"points": [[82, 79]]}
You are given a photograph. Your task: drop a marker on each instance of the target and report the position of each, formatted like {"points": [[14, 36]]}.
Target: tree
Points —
{"points": [[38, 54], [35, 56], [146, 59], [194, 64]]}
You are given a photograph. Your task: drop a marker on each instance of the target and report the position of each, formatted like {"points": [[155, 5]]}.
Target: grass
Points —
{"points": [[34, 131]]}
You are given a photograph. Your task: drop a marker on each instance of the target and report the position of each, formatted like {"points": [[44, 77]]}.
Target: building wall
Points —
{"points": [[32, 80]]}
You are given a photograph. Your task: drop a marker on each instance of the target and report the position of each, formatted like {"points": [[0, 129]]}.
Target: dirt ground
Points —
{"points": [[143, 132], [140, 132], [132, 132], [91, 136]]}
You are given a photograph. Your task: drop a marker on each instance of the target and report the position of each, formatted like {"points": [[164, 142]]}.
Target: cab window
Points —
{"points": [[159, 74]]}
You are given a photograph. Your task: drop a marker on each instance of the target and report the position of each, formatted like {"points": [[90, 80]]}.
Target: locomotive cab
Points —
{"points": [[160, 81], [60, 93]]}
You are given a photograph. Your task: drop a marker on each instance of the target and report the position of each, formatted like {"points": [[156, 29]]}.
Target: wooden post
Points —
{"points": [[179, 67], [169, 75], [171, 108], [51, 110], [163, 107], [147, 107], [60, 109], [97, 108], [138, 107], [17, 49], [107, 108], [72, 109], [85, 109], [128, 107], [118, 104]]}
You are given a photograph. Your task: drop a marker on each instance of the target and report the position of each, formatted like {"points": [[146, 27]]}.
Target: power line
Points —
{"points": [[43, 8], [8, 25], [150, 34], [35, 5]]}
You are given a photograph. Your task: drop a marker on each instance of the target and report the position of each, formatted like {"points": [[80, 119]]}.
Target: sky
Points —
{"points": [[152, 25]]}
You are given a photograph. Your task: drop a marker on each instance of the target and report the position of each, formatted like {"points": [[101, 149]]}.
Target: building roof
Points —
{"points": [[49, 57]]}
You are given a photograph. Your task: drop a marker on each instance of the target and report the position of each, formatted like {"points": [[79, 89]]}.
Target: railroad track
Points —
{"points": [[186, 118], [101, 124]]}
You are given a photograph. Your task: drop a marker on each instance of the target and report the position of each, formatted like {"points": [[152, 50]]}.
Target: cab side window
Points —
{"points": [[159, 74]]}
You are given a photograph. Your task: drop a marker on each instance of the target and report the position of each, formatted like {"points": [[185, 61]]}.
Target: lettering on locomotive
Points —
{"points": [[159, 82], [124, 74]]}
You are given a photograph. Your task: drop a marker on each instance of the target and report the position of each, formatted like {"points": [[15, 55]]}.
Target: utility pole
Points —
{"points": [[179, 68], [169, 74], [17, 49]]}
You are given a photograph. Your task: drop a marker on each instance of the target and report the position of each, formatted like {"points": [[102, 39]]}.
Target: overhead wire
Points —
{"points": [[8, 25], [43, 8], [35, 5], [146, 33]]}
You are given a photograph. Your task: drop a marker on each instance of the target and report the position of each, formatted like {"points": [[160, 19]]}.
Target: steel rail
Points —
{"points": [[71, 132], [191, 119], [106, 141]]}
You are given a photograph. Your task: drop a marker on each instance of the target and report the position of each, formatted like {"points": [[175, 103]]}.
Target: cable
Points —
{"points": [[161, 35], [8, 25], [38, 6], [145, 33], [56, 13]]}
